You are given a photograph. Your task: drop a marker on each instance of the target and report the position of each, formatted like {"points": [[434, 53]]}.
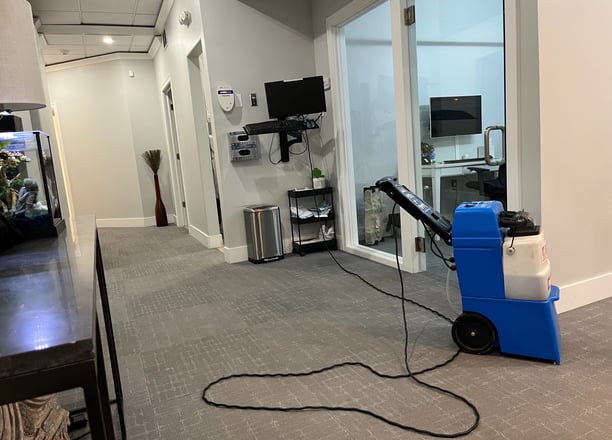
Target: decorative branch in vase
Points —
{"points": [[153, 159]]}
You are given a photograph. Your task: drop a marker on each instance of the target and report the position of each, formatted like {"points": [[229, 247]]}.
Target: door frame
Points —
{"points": [[514, 180], [409, 172], [348, 239], [176, 172]]}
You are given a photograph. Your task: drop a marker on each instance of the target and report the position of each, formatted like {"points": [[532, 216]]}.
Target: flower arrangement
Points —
{"points": [[10, 179]]}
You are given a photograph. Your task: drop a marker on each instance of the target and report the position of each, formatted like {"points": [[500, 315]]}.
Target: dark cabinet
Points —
{"points": [[312, 220]]}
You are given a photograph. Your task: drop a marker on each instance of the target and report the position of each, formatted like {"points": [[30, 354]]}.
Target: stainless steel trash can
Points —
{"points": [[263, 232]]}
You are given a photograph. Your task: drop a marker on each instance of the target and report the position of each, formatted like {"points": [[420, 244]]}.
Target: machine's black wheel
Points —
{"points": [[474, 333]]}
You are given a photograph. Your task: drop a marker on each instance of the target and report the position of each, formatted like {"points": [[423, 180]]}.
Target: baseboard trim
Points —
{"points": [[236, 254], [125, 222], [584, 292], [209, 241], [239, 254], [136, 222]]}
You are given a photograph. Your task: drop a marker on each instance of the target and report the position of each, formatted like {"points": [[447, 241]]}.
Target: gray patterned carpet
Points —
{"points": [[183, 317]]}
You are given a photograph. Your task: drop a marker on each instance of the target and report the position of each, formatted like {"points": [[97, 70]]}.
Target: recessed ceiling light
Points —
{"points": [[108, 40]]}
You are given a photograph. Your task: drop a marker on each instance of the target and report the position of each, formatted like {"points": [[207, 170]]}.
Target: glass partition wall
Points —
{"points": [[456, 50], [371, 123]]}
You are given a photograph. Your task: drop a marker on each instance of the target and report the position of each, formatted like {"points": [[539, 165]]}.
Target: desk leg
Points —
{"points": [[435, 191], [110, 337], [96, 396]]}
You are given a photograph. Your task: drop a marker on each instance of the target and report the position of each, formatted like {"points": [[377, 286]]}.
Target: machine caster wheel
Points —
{"points": [[474, 333]]}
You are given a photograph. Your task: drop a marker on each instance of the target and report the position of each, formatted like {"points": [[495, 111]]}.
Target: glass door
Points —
{"points": [[392, 60], [370, 126], [458, 92]]}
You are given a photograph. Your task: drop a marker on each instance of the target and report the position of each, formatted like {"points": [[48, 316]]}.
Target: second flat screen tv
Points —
{"points": [[455, 115]]}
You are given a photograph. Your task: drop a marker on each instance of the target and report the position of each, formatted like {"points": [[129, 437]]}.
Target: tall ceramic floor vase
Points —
{"points": [[160, 210]]}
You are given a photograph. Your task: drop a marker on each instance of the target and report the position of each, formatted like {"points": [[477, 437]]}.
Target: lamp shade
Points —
{"points": [[21, 86]]}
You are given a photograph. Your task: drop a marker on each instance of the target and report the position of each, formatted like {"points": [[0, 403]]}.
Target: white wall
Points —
{"points": [[575, 96], [244, 52], [107, 120], [263, 41], [172, 68]]}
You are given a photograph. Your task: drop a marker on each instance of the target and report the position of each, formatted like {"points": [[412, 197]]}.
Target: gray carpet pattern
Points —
{"points": [[183, 317]]}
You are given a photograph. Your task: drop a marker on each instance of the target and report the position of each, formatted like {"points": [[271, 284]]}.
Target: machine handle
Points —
{"points": [[487, 135]]}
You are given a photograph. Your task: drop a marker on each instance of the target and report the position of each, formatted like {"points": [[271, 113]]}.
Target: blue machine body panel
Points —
{"points": [[524, 327], [477, 248]]}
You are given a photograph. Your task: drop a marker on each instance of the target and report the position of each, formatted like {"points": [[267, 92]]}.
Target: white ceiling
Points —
{"points": [[74, 29]]}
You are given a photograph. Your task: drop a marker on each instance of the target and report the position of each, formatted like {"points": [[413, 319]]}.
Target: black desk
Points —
{"points": [[50, 338]]}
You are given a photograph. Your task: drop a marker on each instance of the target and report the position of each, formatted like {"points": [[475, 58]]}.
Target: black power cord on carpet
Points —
{"points": [[410, 374]]}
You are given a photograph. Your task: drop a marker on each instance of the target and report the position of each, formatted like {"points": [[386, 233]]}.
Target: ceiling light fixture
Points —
{"points": [[108, 40]]}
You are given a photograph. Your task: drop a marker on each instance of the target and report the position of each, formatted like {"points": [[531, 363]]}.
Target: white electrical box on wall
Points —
{"points": [[242, 146]]}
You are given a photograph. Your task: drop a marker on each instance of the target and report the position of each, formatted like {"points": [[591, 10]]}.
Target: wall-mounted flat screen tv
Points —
{"points": [[295, 97], [455, 115]]}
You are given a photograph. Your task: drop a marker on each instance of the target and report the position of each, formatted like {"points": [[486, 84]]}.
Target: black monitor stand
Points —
{"points": [[285, 143]]}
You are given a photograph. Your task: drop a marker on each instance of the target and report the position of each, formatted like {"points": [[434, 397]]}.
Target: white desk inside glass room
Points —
{"points": [[437, 171]]}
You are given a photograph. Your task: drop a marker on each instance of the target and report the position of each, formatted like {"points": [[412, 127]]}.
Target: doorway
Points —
{"points": [[388, 70], [175, 168], [196, 67], [458, 94]]}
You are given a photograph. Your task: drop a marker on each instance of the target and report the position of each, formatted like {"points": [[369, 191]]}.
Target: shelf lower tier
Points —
{"points": [[313, 246]]}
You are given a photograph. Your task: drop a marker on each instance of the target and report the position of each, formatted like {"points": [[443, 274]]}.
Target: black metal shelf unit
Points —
{"points": [[312, 220]]}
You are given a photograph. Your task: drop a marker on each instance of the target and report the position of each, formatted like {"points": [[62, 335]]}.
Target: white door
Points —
{"points": [[362, 38], [175, 167]]}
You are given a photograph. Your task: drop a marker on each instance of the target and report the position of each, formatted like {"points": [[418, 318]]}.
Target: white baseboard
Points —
{"points": [[236, 254], [239, 254], [136, 222], [584, 292], [125, 222], [209, 241]]}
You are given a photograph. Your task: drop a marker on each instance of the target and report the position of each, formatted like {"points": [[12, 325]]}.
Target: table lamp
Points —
{"points": [[21, 86]]}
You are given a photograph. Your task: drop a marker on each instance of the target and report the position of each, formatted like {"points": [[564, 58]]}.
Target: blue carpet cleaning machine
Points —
{"points": [[503, 272]]}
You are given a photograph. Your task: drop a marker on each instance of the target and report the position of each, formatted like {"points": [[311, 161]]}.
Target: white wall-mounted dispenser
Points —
{"points": [[225, 95]]}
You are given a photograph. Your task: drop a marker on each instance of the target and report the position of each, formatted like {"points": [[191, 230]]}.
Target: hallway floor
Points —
{"points": [[183, 318]]}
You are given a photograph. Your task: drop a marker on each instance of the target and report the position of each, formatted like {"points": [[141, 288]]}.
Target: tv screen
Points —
{"points": [[455, 115], [295, 97]]}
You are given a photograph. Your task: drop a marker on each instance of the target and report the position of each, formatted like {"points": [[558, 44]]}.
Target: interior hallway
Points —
{"points": [[183, 317]]}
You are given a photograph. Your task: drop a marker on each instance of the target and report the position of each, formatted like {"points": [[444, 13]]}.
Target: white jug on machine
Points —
{"points": [[526, 268]]}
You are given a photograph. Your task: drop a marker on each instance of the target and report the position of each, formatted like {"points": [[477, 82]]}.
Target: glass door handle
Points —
{"points": [[487, 148]]}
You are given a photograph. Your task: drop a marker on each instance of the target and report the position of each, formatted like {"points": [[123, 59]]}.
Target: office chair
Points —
{"points": [[491, 184]]}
